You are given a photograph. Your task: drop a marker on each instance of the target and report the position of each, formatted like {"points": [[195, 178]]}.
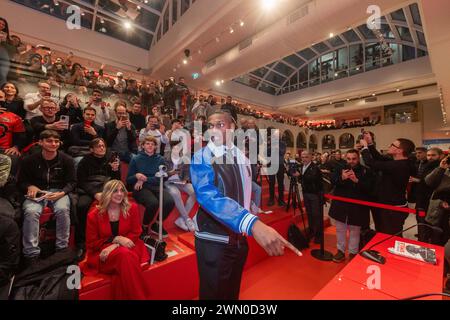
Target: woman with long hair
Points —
{"points": [[113, 244], [13, 103]]}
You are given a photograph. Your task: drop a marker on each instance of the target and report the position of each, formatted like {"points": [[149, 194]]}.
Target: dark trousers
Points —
{"points": [[149, 198], [424, 233], [280, 181], [83, 206], [314, 210], [388, 221], [220, 269]]}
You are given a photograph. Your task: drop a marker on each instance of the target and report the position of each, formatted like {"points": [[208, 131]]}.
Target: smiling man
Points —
{"points": [[51, 171], [221, 177]]}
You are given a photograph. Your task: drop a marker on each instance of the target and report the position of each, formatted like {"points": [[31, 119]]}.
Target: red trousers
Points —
{"points": [[127, 279]]}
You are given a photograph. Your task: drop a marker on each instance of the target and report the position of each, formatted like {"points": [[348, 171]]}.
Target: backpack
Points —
{"points": [[296, 237]]}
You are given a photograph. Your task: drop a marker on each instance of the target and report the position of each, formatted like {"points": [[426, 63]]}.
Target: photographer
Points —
{"points": [[121, 135], [94, 170], [156, 130], [312, 188], [391, 189], [352, 181], [280, 173]]}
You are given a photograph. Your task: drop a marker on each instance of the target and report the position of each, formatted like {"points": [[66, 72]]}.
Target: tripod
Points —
{"points": [[294, 195]]}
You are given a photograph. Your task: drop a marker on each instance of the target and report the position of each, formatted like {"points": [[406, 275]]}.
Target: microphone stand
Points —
{"points": [[377, 257]]}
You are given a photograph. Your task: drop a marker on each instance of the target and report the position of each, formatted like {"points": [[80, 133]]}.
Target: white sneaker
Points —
{"points": [[191, 225], [180, 223]]}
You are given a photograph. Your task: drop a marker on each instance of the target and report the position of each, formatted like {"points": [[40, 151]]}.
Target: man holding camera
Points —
{"points": [[391, 189], [33, 101], [121, 135], [156, 130], [352, 181]]}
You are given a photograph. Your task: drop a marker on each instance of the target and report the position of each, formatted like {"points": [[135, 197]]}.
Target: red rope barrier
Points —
{"points": [[376, 205]]}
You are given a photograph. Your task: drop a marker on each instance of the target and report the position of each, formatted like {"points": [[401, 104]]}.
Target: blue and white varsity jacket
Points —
{"points": [[223, 192]]}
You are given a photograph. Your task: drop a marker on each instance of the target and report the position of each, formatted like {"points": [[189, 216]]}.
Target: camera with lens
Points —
{"points": [[293, 167]]}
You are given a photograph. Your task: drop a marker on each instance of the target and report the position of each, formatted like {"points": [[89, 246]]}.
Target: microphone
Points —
{"points": [[377, 257]]}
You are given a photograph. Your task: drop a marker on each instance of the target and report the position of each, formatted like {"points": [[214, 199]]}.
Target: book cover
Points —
{"points": [[414, 251]]}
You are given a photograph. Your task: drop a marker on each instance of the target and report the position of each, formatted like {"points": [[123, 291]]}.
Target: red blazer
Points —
{"points": [[98, 231]]}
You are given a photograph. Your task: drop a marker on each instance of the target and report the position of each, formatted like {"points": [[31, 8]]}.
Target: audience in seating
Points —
{"points": [[113, 244]]}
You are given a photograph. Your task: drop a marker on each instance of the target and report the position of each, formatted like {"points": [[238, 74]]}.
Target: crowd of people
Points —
{"points": [[71, 156]]}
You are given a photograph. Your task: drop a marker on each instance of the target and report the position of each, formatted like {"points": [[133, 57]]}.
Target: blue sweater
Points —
{"points": [[146, 165]]}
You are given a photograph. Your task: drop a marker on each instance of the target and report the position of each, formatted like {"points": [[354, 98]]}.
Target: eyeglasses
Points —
{"points": [[49, 108], [217, 125], [393, 145]]}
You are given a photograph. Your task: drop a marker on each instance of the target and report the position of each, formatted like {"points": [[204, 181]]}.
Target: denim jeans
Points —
{"points": [[175, 191], [341, 235], [256, 192], [32, 212]]}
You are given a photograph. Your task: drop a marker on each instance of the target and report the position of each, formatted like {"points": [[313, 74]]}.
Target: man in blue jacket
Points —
{"points": [[141, 177], [222, 180]]}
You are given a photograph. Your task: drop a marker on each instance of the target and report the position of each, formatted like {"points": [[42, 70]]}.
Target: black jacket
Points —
{"points": [[391, 188], [311, 180], [138, 121], [353, 214], [75, 114], [423, 191], [93, 172], [111, 135], [78, 137], [35, 171]]}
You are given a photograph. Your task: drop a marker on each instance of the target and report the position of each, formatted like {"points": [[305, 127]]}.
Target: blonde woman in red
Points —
{"points": [[113, 244]]}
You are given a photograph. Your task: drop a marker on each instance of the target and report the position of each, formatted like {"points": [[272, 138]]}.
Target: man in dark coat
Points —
{"points": [[353, 181]]}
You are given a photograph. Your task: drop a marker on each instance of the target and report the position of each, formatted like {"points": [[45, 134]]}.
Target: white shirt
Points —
{"points": [[305, 167], [160, 138], [31, 98]]}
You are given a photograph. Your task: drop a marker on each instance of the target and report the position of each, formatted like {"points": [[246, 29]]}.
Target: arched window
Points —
{"points": [[288, 138], [301, 141], [346, 141], [312, 143], [328, 142]]}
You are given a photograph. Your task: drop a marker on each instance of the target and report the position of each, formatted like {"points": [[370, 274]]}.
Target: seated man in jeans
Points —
{"points": [[51, 171], [145, 185]]}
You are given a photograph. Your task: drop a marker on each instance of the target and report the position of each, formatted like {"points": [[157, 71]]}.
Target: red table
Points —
{"points": [[399, 277]]}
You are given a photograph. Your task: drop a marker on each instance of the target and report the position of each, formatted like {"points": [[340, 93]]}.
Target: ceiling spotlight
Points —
{"points": [[102, 21], [138, 7], [103, 29], [217, 39], [331, 35], [331, 102], [241, 23], [185, 61], [268, 4], [231, 30], [398, 90], [335, 74], [127, 24], [357, 69], [218, 83], [82, 13], [145, 1], [348, 99], [56, 3], [374, 94]]}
